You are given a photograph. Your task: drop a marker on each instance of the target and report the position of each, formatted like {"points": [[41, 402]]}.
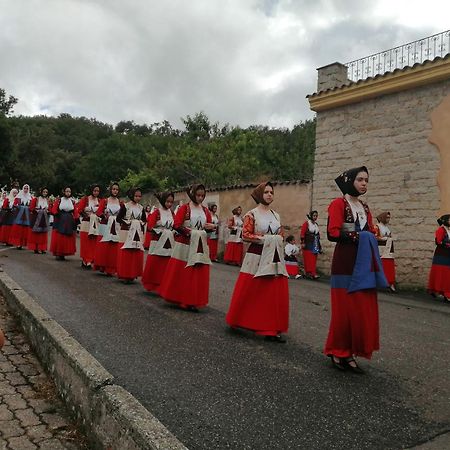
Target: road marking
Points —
{"points": [[7, 248]]}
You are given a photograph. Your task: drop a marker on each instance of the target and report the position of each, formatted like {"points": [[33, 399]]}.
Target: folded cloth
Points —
{"points": [[198, 249], [368, 270], [271, 261], [135, 236], [164, 245]]}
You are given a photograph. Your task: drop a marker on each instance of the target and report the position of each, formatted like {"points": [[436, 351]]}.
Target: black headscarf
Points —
{"points": [[235, 211], [444, 220], [192, 190], [346, 180], [258, 192], [211, 206], [132, 191], [309, 216], [163, 196]]}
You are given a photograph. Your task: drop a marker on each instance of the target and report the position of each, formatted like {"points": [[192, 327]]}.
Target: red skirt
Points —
{"points": [[105, 257], [19, 235], [154, 271], [439, 280], [186, 286], [389, 269], [233, 253], [37, 241], [310, 262], [87, 247], [62, 245], [129, 263], [213, 244], [292, 268], [354, 327], [260, 304], [5, 231]]}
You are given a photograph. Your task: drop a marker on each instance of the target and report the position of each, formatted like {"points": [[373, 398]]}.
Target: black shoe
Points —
{"points": [[192, 309], [338, 363], [353, 367], [60, 258], [36, 251], [278, 338]]}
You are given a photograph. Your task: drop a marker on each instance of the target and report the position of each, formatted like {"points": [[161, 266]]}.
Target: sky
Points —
{"points": [[242, 62]]}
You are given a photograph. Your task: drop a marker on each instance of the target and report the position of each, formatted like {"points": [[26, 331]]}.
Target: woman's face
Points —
{"points": [[26, 189], [268, 195], [388, 218], [361, 182], [67, 192], [214, 209], [199, 196], [15, 192], [95, 191], [44, 192], [239, 211], [137, 196], [114, 190], [315, 216], [169, 202]]}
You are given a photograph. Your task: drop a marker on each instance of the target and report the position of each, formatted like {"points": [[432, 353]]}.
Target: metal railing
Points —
{"points": [[396, 58]]}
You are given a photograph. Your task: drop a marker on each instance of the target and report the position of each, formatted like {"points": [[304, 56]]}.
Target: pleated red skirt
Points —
{"points": [[147, 240], [37, 241], [354, 326], [389, 269], [260, 304], [186, 286], [233, 253], [5, 231], [130, 263], [292, 268], [310, 262], [105, 257], [213, 244], [19, 235], [439, 280], [154, 271], [62, 245], [87, 247]]}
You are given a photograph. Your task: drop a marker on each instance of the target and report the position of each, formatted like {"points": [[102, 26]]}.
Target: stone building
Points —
{"points": [[397, 124]]}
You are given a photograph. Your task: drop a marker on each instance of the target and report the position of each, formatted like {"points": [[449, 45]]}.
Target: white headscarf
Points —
{"points": [[11, 196], [25, 197]]}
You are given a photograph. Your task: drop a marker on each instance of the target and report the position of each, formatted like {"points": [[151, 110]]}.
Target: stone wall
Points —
{"points": [[389, 134]]}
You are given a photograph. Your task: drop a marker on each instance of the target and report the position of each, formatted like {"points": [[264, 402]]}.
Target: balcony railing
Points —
{"points": [[399, 57]]}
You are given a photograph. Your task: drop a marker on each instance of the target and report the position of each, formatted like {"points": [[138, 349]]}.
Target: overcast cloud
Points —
{"points": [[240, 61]]}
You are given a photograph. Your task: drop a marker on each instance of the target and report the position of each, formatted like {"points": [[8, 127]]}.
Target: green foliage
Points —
{"points": [[76, 151]]}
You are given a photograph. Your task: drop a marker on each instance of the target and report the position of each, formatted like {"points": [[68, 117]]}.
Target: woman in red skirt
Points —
{"points": [[235, 247], [213, 237], [160, 225], [39, 224], [439, 280], [7, 216], [20, 228], [386, 246], [64, 226], [310, 242], [260, 300], [105, 256], [356, 272], [130, 257], [291, 251], [89, 234], [186, 281]]}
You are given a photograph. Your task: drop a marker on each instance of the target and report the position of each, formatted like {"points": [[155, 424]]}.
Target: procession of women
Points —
{"points": [[170, 251]]}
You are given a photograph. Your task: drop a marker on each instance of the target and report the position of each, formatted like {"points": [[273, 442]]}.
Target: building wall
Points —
{"points": [[390, 135]]}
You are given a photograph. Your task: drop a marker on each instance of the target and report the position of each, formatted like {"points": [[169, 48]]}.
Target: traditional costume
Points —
{"points": [[64, 227], [310, 240], [356, 272], [235, 247], [213, 237], [106, 248], [439, 279], [7, 214], [130, 257], [260, 300], [162, 242], [39, 223], [386, 247], [186, 280], [89, 227], [21, 212]]}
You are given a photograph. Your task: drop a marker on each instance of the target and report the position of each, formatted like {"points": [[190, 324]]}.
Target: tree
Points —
{"points": [[6, 104]]}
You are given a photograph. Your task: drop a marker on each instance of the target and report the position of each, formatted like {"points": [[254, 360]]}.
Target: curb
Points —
{"points": [[110, 416]]}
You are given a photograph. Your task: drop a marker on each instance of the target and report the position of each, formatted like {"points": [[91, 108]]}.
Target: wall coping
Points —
{"points": [[399, 80]]}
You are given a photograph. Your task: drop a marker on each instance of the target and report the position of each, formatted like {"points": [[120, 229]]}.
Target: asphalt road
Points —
{"points": [[218, 389]]}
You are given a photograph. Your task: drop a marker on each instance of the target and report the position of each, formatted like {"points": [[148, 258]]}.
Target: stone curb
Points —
{"points": [[111, 417]]}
